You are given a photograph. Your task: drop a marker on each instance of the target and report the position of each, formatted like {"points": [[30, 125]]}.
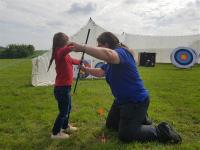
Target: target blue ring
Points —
{"points": [[183, 62]]}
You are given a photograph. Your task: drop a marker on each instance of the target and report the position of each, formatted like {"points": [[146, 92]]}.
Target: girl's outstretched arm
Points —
{"points": [[75, 61]]}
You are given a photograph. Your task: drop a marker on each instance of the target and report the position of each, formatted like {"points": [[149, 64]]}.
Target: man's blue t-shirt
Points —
{"points": [[124, 79]]}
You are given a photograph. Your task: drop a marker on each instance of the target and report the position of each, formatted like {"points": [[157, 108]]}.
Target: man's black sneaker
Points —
{"points": [[167, 134]]}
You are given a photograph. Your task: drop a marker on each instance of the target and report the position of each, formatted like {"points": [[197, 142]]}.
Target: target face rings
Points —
{"points": [[183, 57]]}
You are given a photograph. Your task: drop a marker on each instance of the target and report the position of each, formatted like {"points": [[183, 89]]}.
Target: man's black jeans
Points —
{"points": [[128, 119]]}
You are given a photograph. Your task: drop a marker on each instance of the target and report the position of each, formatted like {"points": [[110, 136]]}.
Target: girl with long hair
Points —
{"points": [[64, 77]]}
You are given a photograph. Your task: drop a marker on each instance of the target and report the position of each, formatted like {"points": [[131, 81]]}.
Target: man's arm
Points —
{"points": [[97, 72]]}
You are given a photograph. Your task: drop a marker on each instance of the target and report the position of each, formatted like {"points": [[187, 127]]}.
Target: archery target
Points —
{"points": [[183, 57]]}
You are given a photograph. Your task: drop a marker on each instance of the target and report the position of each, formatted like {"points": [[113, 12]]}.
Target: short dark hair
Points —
{"points": [[109, 38]]}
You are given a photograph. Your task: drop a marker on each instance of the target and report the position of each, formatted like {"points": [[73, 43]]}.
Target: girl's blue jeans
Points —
{"points": [[63, 97]]}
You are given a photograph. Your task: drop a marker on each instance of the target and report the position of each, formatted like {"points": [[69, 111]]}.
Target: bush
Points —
{"points": [[17, 51]]}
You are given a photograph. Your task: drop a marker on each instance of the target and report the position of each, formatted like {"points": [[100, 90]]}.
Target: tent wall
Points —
{"points": [[196, 45], [40, 76]]}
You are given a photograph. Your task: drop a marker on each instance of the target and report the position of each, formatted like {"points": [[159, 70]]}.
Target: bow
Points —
{"points": [[81, 62]]}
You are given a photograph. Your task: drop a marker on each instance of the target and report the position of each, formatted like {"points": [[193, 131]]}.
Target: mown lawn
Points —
{"points": [[27, 113]]}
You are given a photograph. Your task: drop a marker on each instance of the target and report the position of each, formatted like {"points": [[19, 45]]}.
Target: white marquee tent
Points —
{"points": [[161, 45]]}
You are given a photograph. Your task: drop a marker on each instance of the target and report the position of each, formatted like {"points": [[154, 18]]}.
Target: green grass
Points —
{"points": [[27, 113]]}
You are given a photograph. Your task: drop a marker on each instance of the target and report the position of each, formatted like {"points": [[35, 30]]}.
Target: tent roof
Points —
{"points": [[95, 31], [159, 42]]}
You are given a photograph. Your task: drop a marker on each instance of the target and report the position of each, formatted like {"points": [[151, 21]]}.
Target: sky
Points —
{"points": [[36, 21]]}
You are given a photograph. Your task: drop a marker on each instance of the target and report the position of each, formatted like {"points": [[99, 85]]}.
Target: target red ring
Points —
{"points": [[184, 57]]}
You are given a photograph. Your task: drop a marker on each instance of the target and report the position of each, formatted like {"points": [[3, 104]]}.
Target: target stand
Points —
{"points": [[184, 57]]}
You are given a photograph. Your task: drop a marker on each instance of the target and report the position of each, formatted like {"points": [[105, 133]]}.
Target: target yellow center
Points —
{"points": [[184, 56]]}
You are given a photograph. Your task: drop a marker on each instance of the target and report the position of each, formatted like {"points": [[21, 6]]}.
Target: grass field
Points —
{"points": [[27, 113]]}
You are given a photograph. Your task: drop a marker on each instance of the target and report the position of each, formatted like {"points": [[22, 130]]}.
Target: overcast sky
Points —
{"points": [[35, 21]]}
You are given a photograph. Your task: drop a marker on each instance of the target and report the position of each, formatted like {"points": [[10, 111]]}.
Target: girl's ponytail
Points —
{"points": [[59, 40]]}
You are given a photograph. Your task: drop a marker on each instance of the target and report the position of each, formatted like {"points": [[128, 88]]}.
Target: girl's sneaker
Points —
{"points": [[69, 129], [60, 135]]}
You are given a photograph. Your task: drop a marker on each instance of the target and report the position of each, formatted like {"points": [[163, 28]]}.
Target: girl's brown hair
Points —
{"points": [[59, 40]]}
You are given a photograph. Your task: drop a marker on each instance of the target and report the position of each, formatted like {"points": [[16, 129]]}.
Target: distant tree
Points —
{"points": [[2, 48], [17, 51]]}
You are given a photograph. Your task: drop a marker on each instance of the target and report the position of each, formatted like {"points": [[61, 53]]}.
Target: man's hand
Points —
{"points": [[84, 68], [75, 46]]}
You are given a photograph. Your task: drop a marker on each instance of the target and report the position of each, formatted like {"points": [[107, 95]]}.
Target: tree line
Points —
{"points": [[17, 51]]}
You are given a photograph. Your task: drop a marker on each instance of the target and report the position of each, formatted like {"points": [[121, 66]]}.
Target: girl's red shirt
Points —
{"points": [[64, 66]]}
